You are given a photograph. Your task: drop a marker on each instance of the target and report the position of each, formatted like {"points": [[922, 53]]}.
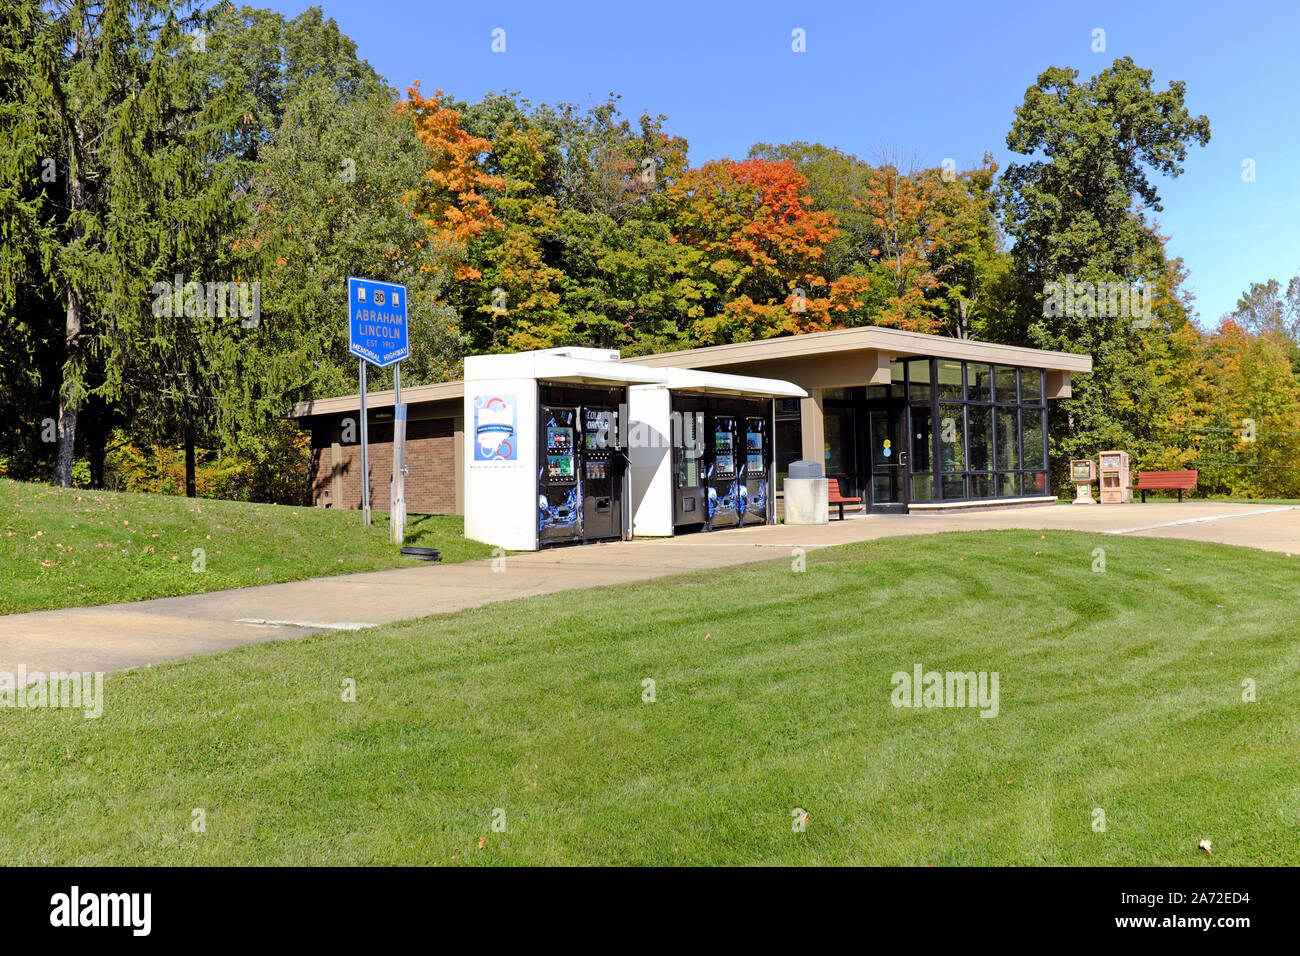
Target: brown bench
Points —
{"points": [[1165, 480], [834, 497]]}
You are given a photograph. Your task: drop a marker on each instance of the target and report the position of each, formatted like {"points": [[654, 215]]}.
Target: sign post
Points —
{"points": [[397, 491], [365, 452], [377, 333]]}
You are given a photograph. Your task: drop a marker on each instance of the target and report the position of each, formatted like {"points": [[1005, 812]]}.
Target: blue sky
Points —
{"points": [[933, 80]]}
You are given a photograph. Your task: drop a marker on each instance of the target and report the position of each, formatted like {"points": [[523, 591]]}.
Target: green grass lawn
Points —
{"points": [[72, 547], [1119, 690]]}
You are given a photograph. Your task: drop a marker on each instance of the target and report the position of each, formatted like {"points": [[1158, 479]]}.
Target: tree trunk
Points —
{"points": [[191, 490], [67, 408]]}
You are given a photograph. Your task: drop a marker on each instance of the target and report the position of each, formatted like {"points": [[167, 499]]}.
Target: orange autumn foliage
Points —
{"points": [[761, 246], [452, 204], [905, 210]]}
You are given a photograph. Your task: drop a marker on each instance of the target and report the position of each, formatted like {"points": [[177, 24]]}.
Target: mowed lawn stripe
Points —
{"points": [[1119, 691]]}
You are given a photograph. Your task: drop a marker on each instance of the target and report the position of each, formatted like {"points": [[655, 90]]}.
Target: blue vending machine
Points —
{"points": [[559, 492], [723, 475], [754, 486]]}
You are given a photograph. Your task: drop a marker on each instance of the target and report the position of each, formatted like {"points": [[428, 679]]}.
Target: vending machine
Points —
{"points": [[722, 477], [689, 463], [602, 475], [753, 485], [558, 493]]}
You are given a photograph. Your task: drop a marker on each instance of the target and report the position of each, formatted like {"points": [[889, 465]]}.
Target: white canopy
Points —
{"points": [[596, 367], [695, 380], [562, 368]]}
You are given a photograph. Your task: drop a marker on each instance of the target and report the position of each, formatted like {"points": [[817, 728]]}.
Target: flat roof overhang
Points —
{"points": [[415, 395], [841, 344], [895, 342]]}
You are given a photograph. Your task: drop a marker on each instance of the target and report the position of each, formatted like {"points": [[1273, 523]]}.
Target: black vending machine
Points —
{"points": [[753, 488], [688, 468], [602, 475], [723, 476], [559, 517]]}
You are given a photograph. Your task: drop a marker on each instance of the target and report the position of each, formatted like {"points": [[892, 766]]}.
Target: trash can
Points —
{"points": [[806, 494]]}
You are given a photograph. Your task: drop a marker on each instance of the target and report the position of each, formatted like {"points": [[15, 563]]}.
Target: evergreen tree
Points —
{"points": [[128, 132]]}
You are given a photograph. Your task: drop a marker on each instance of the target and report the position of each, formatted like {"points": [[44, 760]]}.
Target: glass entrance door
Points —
{"points": [[888, 457]]}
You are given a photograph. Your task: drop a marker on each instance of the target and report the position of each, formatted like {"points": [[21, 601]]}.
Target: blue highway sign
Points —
{"points": [[377, 330]]}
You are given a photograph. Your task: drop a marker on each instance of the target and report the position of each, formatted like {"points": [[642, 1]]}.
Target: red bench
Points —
{"points": [[834, 497], [1165, 480]]}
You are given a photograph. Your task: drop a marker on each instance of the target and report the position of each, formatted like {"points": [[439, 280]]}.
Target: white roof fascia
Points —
{"points": [[689, 379], [562, 368]]}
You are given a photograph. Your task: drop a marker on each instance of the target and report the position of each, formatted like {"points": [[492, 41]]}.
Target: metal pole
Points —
{"points": [[365, 452], [771, 464], [397, 489]]}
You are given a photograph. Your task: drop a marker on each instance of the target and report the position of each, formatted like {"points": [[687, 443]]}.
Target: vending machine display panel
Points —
{"points": [[598, 429], [724, 461], [559, 452], [754, 453]]}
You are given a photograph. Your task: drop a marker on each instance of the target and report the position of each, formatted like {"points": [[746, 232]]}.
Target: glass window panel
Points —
{"points": [[979, 436], [884, 439], [923, 487], [949, 376], [877, 391], [954, 487], [922, 438], [838, 424], [1036, 483], [1031, 441], [1031, 386], [897, 388], [837, 393], [789, 446], [1005, 384], [979, 379], [1008, 485], [1008, 444], [952, 455], [981, 486], [918, 382]]}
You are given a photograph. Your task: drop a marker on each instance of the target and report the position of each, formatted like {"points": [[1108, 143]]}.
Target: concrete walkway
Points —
{"points": [[119, 636]]}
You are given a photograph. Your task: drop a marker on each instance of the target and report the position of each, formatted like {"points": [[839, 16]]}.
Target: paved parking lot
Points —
{"points": [[119, 636]]}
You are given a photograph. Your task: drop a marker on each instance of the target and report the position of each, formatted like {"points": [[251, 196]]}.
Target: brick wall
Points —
{"points": [[430, 462]]}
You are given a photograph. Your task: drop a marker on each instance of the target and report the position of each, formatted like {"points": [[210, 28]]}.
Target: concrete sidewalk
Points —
{"points": [[119, 636]]}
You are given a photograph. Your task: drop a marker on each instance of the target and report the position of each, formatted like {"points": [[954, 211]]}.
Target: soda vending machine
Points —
{"points": [[688, 468], [559, 517], [722, 477], [753, 487], [602, 475]]}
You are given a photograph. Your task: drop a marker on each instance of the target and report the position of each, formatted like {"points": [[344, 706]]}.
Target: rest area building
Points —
{"points": [[575, 444]]}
